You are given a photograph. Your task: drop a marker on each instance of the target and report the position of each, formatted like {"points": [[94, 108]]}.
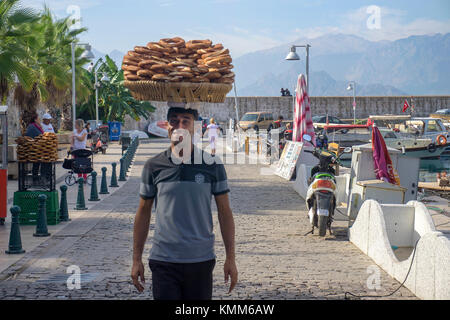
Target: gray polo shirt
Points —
{"points": [[183, 195]]}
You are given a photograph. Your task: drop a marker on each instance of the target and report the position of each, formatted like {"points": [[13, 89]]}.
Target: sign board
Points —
{"points": [[288, 159]]}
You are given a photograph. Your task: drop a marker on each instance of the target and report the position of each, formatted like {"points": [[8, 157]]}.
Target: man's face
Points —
{"points": [[46, 122], [183, 121]]}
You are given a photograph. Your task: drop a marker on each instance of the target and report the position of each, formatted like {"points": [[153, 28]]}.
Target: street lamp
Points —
{"points": [[352, 86], [293, 56], [97, 85], [87, 54]]}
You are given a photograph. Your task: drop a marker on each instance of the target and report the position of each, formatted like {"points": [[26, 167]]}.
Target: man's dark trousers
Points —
{"points": [[182, 281]]}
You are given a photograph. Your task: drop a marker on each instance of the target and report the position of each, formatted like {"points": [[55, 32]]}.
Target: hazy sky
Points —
{"points": [[248, 25]]}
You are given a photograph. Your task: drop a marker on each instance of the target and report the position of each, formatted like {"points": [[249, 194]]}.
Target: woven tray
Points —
{"points": [[179, 91], [44, 148]]}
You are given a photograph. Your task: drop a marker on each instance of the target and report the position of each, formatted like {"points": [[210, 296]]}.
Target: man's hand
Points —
{"points": [[230, 270], [137, 271]]}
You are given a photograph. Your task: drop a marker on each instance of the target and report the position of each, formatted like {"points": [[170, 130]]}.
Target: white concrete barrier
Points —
{"points": [[387, 233]]}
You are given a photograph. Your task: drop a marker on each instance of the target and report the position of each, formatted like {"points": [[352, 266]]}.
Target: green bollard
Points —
{"points": [[63, 208], [104, 184], [94, 193], [15, 243], [122, 170], [114, 176], [41, 224], [81, 205]]}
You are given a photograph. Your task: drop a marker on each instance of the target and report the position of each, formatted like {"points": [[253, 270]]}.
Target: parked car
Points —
{"points": [[320, 121], [443, 114], [256, 121]]}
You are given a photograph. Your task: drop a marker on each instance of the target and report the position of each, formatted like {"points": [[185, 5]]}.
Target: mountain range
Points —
{"points": [[417, 65]]}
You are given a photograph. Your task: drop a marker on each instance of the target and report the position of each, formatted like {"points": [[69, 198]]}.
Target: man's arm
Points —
{"points": [[226, 222], [140, 233]]}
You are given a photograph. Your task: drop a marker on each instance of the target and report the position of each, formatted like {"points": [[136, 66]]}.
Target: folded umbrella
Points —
{"points": [[303, 123], [381, 160]]}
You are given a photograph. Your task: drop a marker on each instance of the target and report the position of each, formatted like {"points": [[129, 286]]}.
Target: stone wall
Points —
{"points": [[337, 106]]}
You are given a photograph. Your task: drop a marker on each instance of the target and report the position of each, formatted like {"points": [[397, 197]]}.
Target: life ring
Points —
{"points": [[441, 140], [431, 148]]}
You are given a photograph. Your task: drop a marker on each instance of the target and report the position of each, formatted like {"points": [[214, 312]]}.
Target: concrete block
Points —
{"points": [[359, 232], [379, 248], [375, 230], [442, 271]]}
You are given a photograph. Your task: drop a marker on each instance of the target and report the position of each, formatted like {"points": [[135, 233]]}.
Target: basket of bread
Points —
{"points": [[43, 148], [179, 71]]}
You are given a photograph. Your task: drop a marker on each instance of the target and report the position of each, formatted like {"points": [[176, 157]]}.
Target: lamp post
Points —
{"points": [[352, 86], [88, 55], [293, 56], [97, 85]]}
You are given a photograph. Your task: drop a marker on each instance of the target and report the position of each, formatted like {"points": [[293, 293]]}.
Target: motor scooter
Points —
{"points": [[97, 143], [321, 194]]}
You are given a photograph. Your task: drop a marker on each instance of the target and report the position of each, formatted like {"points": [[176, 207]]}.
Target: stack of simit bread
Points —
{"points": [[174, 60]]}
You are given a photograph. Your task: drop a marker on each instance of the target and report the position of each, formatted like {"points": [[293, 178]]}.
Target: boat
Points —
{"points": [[158, 129], [423, 137]]}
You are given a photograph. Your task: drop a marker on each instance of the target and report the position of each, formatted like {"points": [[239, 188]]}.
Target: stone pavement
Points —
{"points": [[275, 260], [113, 154]]}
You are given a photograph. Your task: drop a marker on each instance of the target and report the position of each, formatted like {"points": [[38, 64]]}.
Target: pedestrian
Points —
{"points": [[46, 123], [79, 139], [88, 130], [213, 134], [182, 256], [33, 130]]}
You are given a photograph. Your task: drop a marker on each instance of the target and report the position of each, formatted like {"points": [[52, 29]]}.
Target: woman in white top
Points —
{"points": [[79, 138], [213, 134]]}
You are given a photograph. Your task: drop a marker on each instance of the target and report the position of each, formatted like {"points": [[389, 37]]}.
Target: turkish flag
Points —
{"points": [[405, 106]]}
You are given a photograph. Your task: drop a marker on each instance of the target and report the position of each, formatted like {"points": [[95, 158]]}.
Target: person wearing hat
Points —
{"points": [[182, 256], [46, 125]]}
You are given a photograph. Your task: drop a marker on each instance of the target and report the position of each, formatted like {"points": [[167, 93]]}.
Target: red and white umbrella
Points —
{"points": [[303, 123]]}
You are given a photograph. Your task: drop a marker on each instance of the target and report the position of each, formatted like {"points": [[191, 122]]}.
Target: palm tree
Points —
{"points": [[13, 50], [115, 100], [49, 55]]}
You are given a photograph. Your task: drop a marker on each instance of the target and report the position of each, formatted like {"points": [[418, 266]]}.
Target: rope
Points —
{"points": [[401, 285]]}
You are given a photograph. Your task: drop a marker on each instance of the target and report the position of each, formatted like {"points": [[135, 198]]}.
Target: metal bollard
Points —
{"points": [[63, 208], [122, 170], [113, 176], [94, 193], [81, 204], [15, 242], [41, 224], [104, 185]]}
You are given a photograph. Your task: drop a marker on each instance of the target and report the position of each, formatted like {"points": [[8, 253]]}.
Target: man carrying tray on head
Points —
{"points": [[182, 257]]}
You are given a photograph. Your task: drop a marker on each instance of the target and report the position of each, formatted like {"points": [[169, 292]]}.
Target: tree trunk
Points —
{"points": [[66, 118]]}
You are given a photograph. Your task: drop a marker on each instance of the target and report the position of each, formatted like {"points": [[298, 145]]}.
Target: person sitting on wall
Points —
{"points": [[288, 93], [283, 93]]}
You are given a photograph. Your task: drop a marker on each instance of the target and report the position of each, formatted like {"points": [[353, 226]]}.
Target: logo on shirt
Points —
{"points": [[199, 178]]}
